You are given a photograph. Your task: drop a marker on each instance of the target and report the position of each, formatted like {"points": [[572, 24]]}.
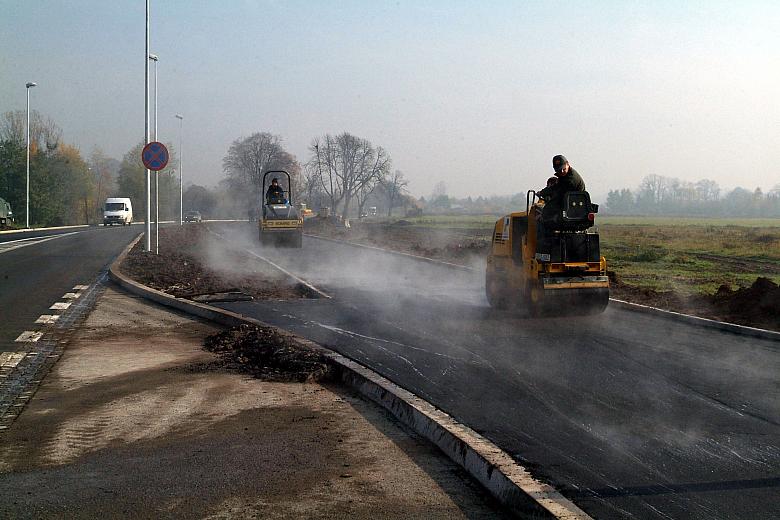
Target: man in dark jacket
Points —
{"points": [[568, 180], [275, 193]]}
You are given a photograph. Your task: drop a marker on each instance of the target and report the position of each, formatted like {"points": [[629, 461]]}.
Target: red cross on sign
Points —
{"points": [[155, 156]]}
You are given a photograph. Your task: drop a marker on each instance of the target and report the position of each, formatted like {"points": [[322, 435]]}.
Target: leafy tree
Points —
{"points": [[621, 202], [199, 198], [12, 176], [131, 183]]}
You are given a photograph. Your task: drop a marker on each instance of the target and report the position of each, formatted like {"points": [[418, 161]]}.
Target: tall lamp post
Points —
{"points": [[27, 212], [181, 152], [155, 59]]}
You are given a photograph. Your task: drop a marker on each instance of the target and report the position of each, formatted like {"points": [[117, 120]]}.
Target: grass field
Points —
{"points": [[687, 255], [487, 221], [691, 258]]}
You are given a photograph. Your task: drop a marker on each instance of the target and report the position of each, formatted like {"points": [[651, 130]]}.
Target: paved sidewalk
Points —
{"points": [[137, 421]]}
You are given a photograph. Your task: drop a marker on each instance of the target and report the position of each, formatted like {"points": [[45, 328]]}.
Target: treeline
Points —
{"points": [[64, 188], [438, 202], [659, 195]]}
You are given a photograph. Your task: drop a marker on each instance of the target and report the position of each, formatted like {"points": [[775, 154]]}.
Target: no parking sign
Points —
{"points": [[155, 156]]}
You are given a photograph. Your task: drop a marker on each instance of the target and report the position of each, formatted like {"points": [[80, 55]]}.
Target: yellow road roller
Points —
{"points": [[548, 266], [280, 223]]}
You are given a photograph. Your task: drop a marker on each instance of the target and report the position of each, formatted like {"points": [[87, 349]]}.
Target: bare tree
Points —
{"points": [[365, 191], [311, 190], [347, 165], [248, 159], [395, 188], [321, 166], [44, 132]]}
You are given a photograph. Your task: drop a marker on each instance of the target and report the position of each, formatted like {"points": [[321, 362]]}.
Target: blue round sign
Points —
{"points": [[155, 156]]}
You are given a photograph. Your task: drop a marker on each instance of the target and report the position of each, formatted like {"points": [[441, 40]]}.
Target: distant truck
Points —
{"points": [[118, 210], [6, 215]]}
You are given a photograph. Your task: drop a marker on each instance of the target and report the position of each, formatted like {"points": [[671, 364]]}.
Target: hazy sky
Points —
{"points": [[479, 95]]}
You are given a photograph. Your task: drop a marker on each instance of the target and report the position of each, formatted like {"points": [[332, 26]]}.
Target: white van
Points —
{"points": [[117, 211]]}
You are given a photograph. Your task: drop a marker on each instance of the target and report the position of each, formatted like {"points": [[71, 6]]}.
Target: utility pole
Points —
{"points": [[181, 172], [27, 211]]}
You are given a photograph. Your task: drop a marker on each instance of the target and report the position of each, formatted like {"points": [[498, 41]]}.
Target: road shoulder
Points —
{"points": [[136, 419]]}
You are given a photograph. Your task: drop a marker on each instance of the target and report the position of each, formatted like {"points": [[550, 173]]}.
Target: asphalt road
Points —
{"points": [[630, 415], [37, 268]]}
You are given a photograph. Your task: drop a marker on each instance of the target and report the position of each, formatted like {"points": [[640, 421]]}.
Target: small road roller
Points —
{"points": [[548, 266], [280, 223]]}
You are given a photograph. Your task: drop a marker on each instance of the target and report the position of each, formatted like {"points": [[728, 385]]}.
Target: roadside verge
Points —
{"points": [[495, 469], [742, 330]]}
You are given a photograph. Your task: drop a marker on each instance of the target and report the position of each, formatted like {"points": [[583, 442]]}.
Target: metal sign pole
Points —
{"points": [[147, 235], [156, 174]]}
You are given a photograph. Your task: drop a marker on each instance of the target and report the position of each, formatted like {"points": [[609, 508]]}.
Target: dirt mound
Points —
{"points": [[758, 304], [268, 354], [183, 269], [754, 306]]}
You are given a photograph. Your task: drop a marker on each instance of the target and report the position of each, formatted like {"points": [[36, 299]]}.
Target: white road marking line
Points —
{"points": [[11, 359], [48, 319], [80, 287], [29, 336], [71, 296], [60, 306], [282, 269], [22, 242]]}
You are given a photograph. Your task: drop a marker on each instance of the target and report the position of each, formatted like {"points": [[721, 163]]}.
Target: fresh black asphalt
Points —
{"points": [[37, 275], [631, 415]]}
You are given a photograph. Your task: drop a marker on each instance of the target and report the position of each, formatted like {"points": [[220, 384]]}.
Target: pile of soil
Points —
{"points": [[757, 305], [754, 306], [269, 354], [182, 269]]}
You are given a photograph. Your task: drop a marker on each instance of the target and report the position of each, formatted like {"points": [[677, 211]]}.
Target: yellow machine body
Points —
{"points": [[280, 223], [520, 277]]}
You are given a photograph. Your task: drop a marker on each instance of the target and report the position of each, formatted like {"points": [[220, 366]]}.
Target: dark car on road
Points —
{"points": [[192, 216]]}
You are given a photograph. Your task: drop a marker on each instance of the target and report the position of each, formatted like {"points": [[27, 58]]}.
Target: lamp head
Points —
{"points": [[154, 57], [32, 84]]}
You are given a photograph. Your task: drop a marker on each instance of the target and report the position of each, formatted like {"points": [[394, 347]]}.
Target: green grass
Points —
{"points": [[693, 256], [479, 221], [689, 221], [460, 221]]}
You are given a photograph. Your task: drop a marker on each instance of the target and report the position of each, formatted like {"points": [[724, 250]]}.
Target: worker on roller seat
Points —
{"points": [[567, 180], [275, 193]]}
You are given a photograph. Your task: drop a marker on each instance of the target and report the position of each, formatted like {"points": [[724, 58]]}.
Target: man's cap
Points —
{"points": [[274, 180], [558, 162]]}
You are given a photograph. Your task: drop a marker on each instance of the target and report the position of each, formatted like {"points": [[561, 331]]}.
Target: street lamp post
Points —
{"points": [[27, 211], [155, 59], [181, 152]]}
